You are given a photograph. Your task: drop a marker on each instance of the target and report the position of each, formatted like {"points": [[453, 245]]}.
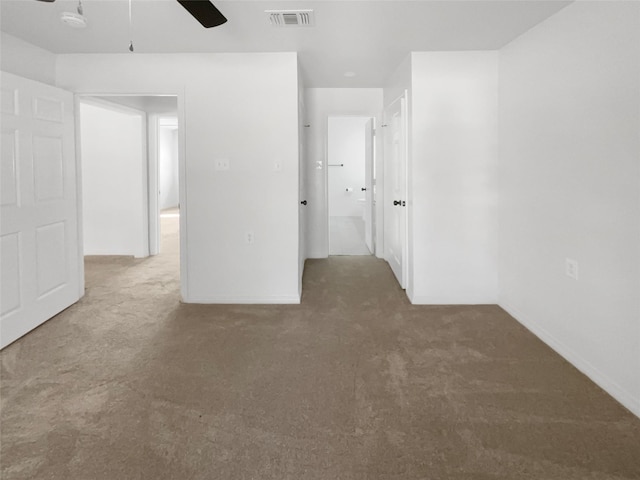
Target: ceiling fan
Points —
{"points": [[202, 10]]}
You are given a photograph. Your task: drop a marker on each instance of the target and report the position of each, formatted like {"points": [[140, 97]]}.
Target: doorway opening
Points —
{"points": [[168, 207], [129, 158], [351, 185]]}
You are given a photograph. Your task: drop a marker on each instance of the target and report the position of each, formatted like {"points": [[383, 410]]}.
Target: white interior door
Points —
{"points": [[368, 184], [302, 219], [302, 195], [39, 237], [395, 159]]}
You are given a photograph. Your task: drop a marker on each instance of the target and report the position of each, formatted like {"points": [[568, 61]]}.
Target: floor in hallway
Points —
{"points": [[346, 236]]}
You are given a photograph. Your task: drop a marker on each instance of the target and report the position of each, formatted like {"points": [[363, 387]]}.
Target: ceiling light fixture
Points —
{"points": [[75, 20], [130, 29]]}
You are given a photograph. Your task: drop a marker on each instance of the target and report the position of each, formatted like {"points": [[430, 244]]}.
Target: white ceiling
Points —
{"points": [[369, 38]]}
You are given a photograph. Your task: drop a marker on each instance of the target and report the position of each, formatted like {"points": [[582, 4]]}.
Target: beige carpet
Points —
{"points": [[355, 383]]}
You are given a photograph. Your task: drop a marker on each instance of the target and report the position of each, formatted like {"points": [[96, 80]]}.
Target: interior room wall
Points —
{"points": [[346, 137], [14, 52], [113, 156], [453, 190], [240, 242], [168, 166], [320, 103], [399, 82], [569, 188]]}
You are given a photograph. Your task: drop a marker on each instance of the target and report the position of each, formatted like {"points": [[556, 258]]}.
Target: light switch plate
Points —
{"points": [[221, 164], [571, 268]]}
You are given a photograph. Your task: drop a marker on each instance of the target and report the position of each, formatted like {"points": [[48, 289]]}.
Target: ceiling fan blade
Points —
{"points": [[203, 11]]}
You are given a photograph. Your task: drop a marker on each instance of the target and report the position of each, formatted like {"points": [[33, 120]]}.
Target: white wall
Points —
{"points": [[453, 177], [570, 187], [320, 103], [240, 107], [168, 166], [113, 155], [27, 60], [399, 82], [346, 146]]}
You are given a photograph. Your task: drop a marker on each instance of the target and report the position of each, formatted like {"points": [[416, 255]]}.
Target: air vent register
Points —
{"points": [[291, 18]]}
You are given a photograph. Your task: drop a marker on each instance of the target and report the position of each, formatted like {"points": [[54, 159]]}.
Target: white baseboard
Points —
{"points": [[599, 378], [317, 255], [427, 300], [242, 300]]}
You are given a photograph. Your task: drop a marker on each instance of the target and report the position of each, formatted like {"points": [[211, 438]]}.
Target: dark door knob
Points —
{"points": [[364, 189], [303, 202], [397, 202]]}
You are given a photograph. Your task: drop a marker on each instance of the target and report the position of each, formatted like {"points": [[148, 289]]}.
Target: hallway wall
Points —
{"points": [[224, 97], [454, 183], [114, 204], [452, 175], [168, 166]]}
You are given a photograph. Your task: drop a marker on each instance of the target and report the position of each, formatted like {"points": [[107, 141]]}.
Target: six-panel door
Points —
{"points": [[39, 241]]}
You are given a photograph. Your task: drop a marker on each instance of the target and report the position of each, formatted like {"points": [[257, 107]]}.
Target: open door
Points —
{"points": [[395, 211], [368, 180], [302, 206], [39, 238]]}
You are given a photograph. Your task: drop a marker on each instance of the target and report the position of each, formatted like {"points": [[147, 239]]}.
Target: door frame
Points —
{"points": [[369, 183], [180, 95], [374, 220]]}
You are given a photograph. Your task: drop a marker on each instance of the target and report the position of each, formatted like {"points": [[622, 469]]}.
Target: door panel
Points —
{"points": [[48, 168], [39, 229], [9, 178], [51, 258], [396, 189], [10, 254]]}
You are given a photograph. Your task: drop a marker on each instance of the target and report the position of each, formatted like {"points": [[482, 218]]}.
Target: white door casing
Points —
{"points": [[39, 233], [153, 139], [368, 185], [395, 211]]}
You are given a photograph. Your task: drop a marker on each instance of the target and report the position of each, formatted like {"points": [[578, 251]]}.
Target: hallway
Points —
{"points": [[354, 383], [347, 236]]}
